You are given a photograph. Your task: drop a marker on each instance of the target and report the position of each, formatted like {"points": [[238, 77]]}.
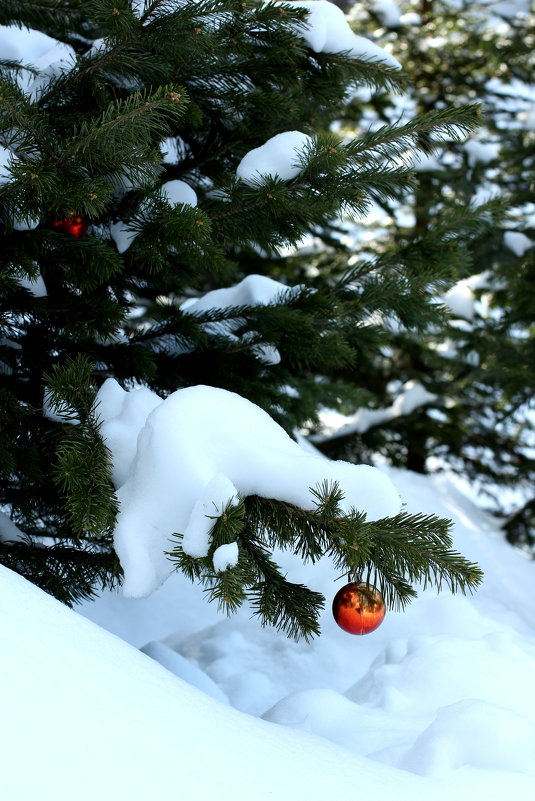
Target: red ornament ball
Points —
{"points": [[73, 224], [358, 608]]}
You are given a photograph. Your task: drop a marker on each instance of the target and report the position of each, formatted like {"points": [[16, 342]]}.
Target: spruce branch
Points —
{"points": [[151, 7], [393, 554], [68, 572], [20, 118], [406, 550], [105, 62], [291, 608], [425, 131], [141, 114], [60, 14], [375, 74], [82, 473]]}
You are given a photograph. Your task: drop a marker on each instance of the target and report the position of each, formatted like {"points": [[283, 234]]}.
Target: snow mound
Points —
{"points": [[460, 669], [440, 693], [475, 733], [278, 157], [197, 451], [91, 712], [184, 669]]}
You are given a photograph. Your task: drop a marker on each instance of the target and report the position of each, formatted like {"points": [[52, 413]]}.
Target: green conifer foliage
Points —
{"points": [[473, 350], [206, 81]]}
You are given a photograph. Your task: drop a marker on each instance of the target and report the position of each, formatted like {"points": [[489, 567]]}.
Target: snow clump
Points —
{"points": [[197, 450], [253, 290], [388, 13], [122, 235], [328, 31], [278, 157], [225, 556], [179, 192], [480, 152], [517, 242], [48, 56], [5, 157]]}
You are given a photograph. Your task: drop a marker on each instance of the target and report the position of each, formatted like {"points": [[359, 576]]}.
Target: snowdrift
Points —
{"points": [[86, 716], [437, 703]]}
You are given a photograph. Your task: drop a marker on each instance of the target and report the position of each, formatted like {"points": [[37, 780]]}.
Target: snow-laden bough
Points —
{"points": [[196, 451]]}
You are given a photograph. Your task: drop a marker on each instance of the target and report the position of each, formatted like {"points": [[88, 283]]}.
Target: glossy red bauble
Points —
{"points": [[358, 608], [73, 224]]}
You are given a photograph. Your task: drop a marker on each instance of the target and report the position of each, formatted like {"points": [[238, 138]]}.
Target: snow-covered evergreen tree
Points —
{"points": [[155, 161]]}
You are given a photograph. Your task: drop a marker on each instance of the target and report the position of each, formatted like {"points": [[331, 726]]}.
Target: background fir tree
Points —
{"points": [[453, 387], [136, 134]]}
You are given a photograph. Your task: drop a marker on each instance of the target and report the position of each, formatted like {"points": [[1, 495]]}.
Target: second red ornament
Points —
{"points": [[73, 224]]}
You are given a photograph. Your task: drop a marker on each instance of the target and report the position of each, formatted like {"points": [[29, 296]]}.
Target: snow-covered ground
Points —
{"points": [[437, 703]]}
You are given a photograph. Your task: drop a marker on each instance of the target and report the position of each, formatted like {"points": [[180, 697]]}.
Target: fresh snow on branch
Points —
{"points": [[6, 156], [175, 192], [48, 56], [7, 159], [460, 299], [171, 149], [35, 284], [388, 13], [196, 451], [328, 31], [9, 532], [278, 157], [253, 290], [122, 235], [517, 242], [481, 152], [413, 396], [179, 193], [426, 162]]}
